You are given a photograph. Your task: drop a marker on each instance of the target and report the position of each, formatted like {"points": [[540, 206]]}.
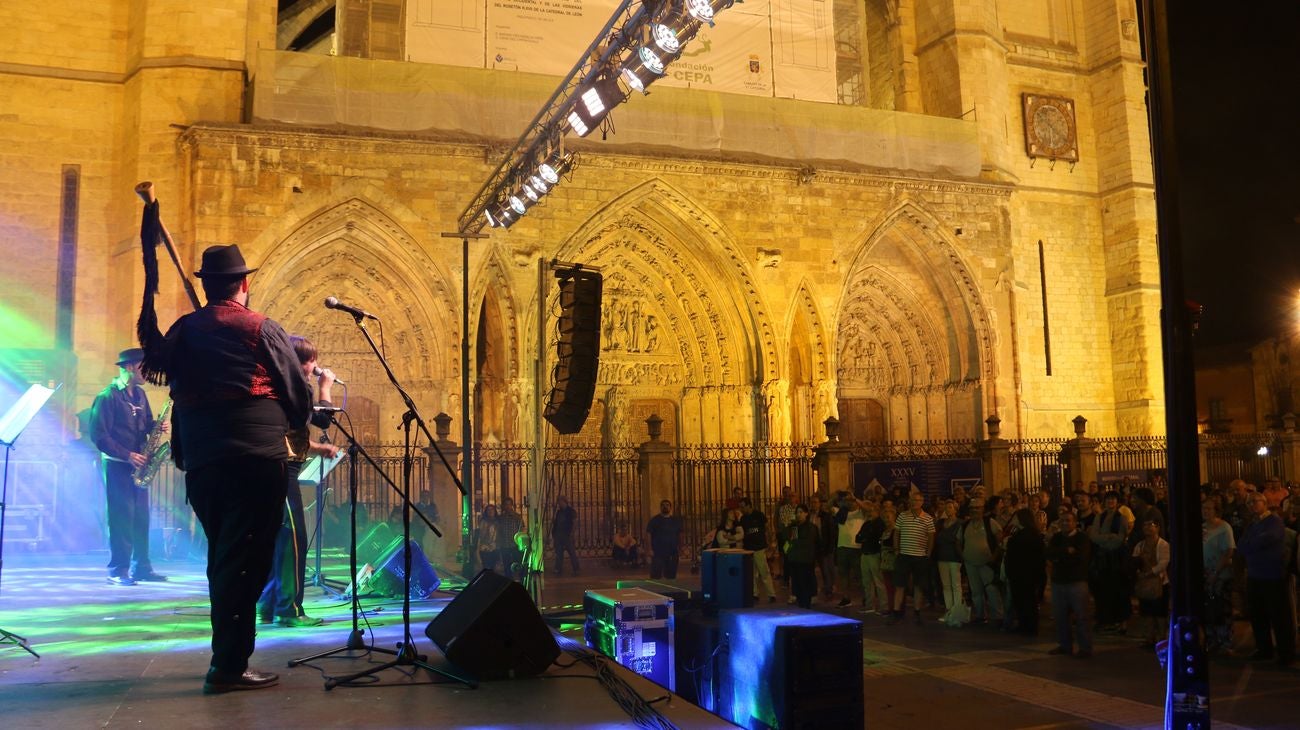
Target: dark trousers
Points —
{"points": [[1024, 598], [240, 503], [803, 582], [563, 544], [1270, 617], [283, 594], [128, 521], [663, 565]]}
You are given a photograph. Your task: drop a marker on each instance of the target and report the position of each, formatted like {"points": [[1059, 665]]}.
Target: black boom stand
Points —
{"points": [[405, 655]]}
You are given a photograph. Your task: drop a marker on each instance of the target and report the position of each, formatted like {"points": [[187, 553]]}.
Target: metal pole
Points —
{"points": [[1187, 689]]}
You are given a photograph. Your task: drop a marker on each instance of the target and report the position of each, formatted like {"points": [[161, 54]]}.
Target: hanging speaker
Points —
{"points": [[493, 630], [573, 383]]}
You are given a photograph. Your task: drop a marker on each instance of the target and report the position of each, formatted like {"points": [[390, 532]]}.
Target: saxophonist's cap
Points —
{"points": [[130, 355]]}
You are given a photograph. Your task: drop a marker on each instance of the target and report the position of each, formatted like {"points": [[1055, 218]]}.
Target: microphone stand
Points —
{"points": [[406, 655]]}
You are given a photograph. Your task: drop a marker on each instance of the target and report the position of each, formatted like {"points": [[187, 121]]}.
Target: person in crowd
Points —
{"points": [[733, 502], [869, 536], [1108, 571], [1151, 582], [1045, 504], [624, 546], [509, 524], [1142, 501], [488, 554], [562, 527], [754, 522], [1263, 546], [238, 390], [120, 423], [730, 534], [665, 531], [962, 502], [979, 543], [1236, 512], [1217, 547], [784, 517], [282, 597], [1025, 565], [1085, 510], [827, 530], [848, 555], [800, 551], [888, 554], [947, 555], [1069, 551], [419, 532], [914, 541]]}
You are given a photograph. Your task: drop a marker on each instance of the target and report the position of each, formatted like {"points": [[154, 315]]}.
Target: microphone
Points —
{"points": [[326, 409], [334, 303], [317, 371]]}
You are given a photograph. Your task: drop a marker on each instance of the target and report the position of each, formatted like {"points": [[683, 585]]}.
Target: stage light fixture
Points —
{"points": [[651, 60], [518, 205], [577, 124], [539, 185], [701, 10], [666, 38], [552, 169], [594, 104], [530, 193]]}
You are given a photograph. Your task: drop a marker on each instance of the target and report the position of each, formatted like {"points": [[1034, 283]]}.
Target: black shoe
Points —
{"points": [[266, 614], [120, 580], [298, 622], [219, 682], [844, 602], [150, 577]]}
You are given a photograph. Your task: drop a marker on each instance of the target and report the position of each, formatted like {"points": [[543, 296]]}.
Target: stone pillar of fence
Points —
{"points": [[655, 468], [445, 495], [1079, 455], [1289, 440], [833, 461], [1203, 455], [995, 458]]}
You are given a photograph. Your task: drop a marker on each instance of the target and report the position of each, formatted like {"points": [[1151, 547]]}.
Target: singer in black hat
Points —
{"points": [[237, 389]]}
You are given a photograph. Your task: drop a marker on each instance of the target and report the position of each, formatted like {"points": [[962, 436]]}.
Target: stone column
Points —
{"points": [[1079, 454], [446, 496], [833, 461], [655, 468], [995, 458]]}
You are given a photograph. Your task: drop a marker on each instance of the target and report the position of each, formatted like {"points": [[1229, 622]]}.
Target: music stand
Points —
{"points": [[314, 474], [12, 424]]}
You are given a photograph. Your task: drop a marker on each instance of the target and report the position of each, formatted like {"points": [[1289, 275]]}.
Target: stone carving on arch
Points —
{"points": [[681, 318], [355, 251], [927, 235], [821, 351], [913, 332], [501, 403]]}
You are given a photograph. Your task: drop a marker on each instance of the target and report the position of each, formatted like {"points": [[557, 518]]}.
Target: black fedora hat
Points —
{"points": [[130, 355], [224, 261]]}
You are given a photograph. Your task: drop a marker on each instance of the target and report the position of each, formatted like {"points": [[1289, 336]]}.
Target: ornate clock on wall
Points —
{"points": [[1050, 129]]}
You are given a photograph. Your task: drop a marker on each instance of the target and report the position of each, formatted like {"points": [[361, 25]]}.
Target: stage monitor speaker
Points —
{"points": [[578, 351], [727, 577], [492, 630], [388, 576]]}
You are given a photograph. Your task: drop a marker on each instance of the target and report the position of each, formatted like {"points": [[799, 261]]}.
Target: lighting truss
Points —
{"points": [[631, 51]]}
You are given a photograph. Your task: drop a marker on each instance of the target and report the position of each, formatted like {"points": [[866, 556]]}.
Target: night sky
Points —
{"points": [[1236, 71]]}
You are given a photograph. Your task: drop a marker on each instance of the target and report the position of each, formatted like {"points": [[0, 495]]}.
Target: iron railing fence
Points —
{"points": [[707, 476], [1140, 456], [1250, 456], [1029, 458]]}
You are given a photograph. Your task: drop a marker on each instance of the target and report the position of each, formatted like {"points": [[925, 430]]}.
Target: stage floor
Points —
{"points": [[135, 656], [116, 656]]}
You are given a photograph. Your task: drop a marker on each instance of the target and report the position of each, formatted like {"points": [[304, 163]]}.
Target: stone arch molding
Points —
{"points": [[681, 315], [913, 331], [690, 246], [357, 252]]}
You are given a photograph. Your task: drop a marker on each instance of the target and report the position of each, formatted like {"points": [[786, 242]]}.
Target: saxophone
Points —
{"points": [[156, 450]]}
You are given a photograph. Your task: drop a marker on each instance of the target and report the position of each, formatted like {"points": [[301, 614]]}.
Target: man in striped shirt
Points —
{"points": [[913, 540]]}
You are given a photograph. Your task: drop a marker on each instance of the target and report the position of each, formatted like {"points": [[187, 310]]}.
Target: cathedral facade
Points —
{"points": [[966, 230]]}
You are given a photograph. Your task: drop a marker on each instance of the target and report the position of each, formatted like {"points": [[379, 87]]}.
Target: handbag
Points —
{"points": [[1149, 588], [888, 557]]}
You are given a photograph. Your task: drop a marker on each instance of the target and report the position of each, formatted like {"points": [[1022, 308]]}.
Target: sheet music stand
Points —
{"points": [[12, 424]]}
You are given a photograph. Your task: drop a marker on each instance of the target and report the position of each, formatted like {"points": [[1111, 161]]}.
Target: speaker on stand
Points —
{"points": [[578, 350]]}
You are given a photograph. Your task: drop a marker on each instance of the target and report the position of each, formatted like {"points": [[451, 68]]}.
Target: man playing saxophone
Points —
{"points": [[121, 422]]}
